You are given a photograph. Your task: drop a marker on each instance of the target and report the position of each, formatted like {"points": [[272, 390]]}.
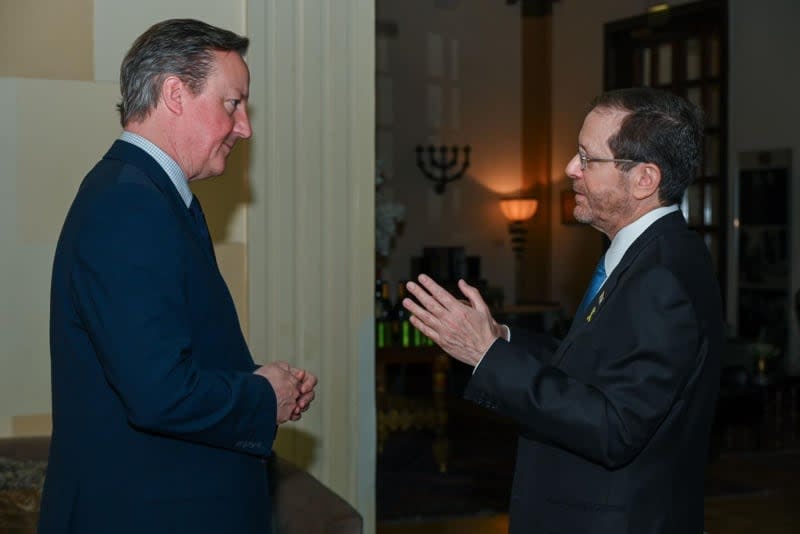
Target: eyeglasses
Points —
{"points": [[585, 160]]}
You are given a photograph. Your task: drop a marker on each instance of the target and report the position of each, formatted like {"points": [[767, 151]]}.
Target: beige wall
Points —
{"points": [[118, 22], [48, 145], [47, 105], [32, 30], [58, 119]]}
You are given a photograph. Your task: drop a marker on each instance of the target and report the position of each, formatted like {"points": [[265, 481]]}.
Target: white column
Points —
{"points": [[311, 226]]}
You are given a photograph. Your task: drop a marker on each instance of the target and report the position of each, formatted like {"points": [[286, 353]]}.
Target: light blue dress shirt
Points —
{"points": [[170, 166]]}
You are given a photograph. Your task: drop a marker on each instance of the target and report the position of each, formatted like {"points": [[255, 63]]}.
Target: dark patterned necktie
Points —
{"points": [[596, 283], [200, 225]]}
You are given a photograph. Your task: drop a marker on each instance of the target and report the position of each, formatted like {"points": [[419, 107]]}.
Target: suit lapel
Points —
{"points": [[133, 155], [670, 222]]}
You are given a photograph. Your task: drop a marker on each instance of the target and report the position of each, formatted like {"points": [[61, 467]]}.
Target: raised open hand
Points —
{"points": [[465, 330]]}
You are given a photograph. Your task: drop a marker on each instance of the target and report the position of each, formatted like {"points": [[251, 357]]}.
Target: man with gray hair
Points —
{"points": [[161, 419], [615, 419]]}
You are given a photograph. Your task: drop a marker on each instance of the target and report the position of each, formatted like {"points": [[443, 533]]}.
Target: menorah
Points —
{"points": [[437, 168]]}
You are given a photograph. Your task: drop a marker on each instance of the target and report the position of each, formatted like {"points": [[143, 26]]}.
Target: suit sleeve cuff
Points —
{"points": [[506, 336]]}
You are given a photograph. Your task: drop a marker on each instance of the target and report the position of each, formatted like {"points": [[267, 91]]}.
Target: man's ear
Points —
{"points": [[173, 92], [646, 181]]}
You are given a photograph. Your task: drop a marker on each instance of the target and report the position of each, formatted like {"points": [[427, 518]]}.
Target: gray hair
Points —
{"points": [[176, 47], [660, 128]]}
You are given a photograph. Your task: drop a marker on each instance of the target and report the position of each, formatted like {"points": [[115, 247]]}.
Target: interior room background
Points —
{"points": [[459, 72], [293, 218]]}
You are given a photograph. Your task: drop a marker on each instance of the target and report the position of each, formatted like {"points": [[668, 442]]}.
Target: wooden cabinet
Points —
{"points": [[399, 410]]}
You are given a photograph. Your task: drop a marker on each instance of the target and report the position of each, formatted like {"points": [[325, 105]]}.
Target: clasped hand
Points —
{"points": [[294, 389], [465, 330]]}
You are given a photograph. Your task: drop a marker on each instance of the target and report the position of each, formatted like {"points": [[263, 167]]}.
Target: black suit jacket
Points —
{"points": [[159, 424], [615, 422]]}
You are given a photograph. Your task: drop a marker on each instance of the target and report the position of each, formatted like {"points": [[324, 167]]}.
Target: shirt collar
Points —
{"points": [[173, 170], [627, 235]]}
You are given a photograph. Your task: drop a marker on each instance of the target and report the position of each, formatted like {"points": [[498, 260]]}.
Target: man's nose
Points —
{"points": [[242, 127], [573, 168]]}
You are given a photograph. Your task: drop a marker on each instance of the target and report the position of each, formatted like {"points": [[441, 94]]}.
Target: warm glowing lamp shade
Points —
{"points": [[519, 209]]}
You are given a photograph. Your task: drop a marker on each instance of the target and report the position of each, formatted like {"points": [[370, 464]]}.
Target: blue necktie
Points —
{"points": [[200, 225], [596, 283]]}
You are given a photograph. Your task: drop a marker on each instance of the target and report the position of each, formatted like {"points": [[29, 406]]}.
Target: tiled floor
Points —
{"points": [[773, 510], [757, 477], [480, 525]]}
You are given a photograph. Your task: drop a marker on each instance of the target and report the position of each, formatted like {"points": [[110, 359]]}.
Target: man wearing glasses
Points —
{"points": [[615, 419]]}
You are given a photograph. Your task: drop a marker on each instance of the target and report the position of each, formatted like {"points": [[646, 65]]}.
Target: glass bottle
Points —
{"points": [[401, 326], [382, 311]]}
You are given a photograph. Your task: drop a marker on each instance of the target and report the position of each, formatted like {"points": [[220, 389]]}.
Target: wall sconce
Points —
{"points": [[518, 210], [436, 168]]}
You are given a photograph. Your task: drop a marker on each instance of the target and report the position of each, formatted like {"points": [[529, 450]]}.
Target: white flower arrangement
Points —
{"points": [[388, 215]]}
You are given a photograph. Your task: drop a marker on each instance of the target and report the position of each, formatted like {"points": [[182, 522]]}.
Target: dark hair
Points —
{"points": [[660, 128], [180, 47]]}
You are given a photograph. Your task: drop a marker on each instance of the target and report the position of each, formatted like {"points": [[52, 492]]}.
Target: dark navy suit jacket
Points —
{"points": [[615, 419], [159, 424]]}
